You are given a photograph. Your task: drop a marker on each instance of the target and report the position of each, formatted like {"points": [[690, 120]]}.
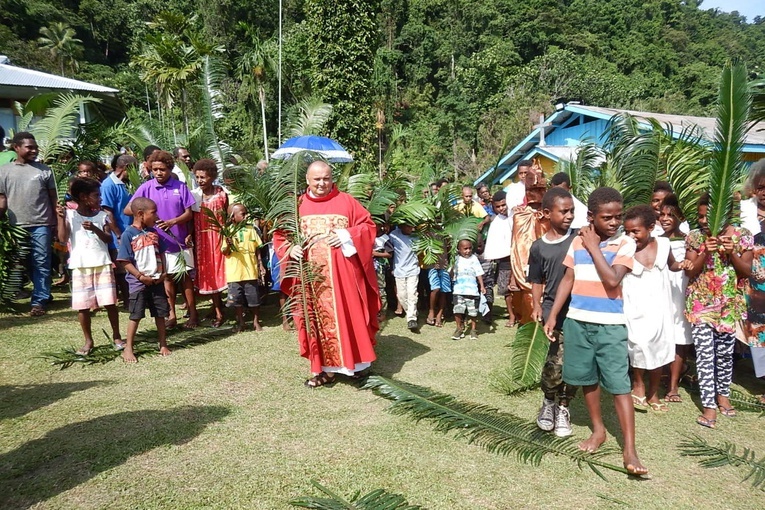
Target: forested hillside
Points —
{"points": [[418, 83]]}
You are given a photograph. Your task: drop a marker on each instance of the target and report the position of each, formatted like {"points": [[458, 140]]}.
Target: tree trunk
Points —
{"points": [[262, 97]]}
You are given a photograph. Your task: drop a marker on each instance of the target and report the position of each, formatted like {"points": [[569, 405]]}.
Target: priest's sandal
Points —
{"points": [[321, 379]]}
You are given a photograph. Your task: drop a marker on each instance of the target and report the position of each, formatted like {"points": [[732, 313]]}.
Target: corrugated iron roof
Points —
{"points": [[678, 122], [19, 77]]}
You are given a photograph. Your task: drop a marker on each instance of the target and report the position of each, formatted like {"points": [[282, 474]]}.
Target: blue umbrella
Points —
{"points": [[328, 148]]}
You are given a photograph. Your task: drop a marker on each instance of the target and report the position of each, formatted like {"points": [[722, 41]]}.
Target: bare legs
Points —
{"points": [[127, 353], [188, 294], [626, 415], [87, 333], [639, 389], [676, 372], [437, 304]]}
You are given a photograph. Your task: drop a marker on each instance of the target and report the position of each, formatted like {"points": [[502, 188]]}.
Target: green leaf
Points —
{"points": [[725, 454], [727, 170], [497, 432], [378, 499]]}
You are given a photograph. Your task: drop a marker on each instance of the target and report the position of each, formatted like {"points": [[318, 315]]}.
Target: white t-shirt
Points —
{"points": [[86, 248], [466, 272]]}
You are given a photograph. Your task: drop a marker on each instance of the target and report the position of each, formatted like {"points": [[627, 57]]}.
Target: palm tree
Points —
{"points": [[253, 67], [60, 41]]}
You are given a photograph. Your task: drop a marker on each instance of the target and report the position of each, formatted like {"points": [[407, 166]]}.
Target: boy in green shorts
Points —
{"points": [[594, 329]]}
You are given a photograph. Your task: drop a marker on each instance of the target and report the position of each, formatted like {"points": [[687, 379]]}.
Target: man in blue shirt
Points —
{"points": [[114, 198]]}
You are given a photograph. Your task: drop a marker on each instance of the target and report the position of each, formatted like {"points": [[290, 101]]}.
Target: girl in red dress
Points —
{"points": [[211, 272]]}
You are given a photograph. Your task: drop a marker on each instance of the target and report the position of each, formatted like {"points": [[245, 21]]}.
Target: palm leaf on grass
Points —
{"points": [[530, 348], [745, 402], [144, 345], [727, 170], [378, 499], [725, 454], [497, 432]]}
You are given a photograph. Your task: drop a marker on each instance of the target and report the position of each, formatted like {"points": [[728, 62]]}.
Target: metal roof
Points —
{"points": [[12, 76], [754, 141]]}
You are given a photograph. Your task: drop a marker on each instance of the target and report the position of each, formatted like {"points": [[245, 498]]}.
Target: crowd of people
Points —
{"points": [[634, 293]]}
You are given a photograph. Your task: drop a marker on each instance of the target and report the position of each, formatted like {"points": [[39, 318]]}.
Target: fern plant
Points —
{"points": [[530, 348], [749, 403], [725, 454], [497, 432], [378, 499]]}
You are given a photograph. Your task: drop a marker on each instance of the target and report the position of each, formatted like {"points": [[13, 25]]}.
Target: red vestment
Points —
{"points": [[345, 301]]}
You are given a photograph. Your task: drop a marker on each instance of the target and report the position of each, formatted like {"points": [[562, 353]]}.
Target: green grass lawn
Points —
{"points": [[228, 424]]}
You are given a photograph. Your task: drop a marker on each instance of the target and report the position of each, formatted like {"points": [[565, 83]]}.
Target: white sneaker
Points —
{"points": [[546, 418], [563, 422]]}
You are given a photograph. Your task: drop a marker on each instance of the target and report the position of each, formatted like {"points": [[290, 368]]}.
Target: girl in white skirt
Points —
{"points": [[648, 307]]}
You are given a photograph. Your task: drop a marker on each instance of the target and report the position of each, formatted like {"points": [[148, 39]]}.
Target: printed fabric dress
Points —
{"points": [[211, 267], [755, 297], [716, 296], [678, 282], [648, 310]]}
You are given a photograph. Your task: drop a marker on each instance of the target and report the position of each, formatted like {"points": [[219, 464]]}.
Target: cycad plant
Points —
{"points": [[497, 432], [378, 499]]}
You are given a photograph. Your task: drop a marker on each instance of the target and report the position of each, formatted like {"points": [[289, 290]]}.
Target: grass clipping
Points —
{"points": [[497, 432]]}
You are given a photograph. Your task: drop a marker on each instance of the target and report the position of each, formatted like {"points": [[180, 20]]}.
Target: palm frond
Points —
{"points": [[530, 348], [727, 169], [725, 454], [144, 345], [308, 117], [378, 499], [212, 74], [745, 402], [15, 247], [685, 159], [582, 169], [497, 432], [58, 124]]}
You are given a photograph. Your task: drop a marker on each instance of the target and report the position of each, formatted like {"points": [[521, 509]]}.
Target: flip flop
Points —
{"points": [[83, 352], [119, 344], [673, 397], [706, 422], [728, 411], [639, 402], [429, 321], [37, 311], [659, 406]]}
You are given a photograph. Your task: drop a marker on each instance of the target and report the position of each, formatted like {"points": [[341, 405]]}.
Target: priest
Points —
{"points": [[341, 295]]}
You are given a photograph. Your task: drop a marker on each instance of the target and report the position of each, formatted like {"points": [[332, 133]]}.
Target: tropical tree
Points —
{"points": [[308, 117], [60, 41], [253, 68]]}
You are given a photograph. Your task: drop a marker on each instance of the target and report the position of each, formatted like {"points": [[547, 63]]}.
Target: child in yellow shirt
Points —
{"points": [[243, 269]]}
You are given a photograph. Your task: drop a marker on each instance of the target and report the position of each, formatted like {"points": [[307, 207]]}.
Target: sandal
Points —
{"points": [[728, 411], [321, 379], [639, 402], [673, 397], [37, 311], [430, 321], [217, 322], [439, 322], [659, 406], [119, 344], [706, 422]]}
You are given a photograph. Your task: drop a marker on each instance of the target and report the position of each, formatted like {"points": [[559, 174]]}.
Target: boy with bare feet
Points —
{"points": [[141, 254], [594, 329], [242, 268]]}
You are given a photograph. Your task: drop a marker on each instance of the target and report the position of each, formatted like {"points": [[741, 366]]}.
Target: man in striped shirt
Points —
{"points": [[594, 329]]}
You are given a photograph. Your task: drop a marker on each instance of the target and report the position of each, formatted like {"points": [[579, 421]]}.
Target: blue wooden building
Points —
{"points": [[559, 135]]}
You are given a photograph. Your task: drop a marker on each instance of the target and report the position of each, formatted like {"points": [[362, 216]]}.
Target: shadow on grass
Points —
{"points": [[17, 401], [393, 351], [68, 456], [145, 345]]}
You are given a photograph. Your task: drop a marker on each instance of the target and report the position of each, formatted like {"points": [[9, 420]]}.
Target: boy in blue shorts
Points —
{"points": [[594, 329]]}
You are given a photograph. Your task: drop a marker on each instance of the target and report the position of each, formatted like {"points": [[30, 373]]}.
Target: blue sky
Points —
{"points": [[748, 8]]}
